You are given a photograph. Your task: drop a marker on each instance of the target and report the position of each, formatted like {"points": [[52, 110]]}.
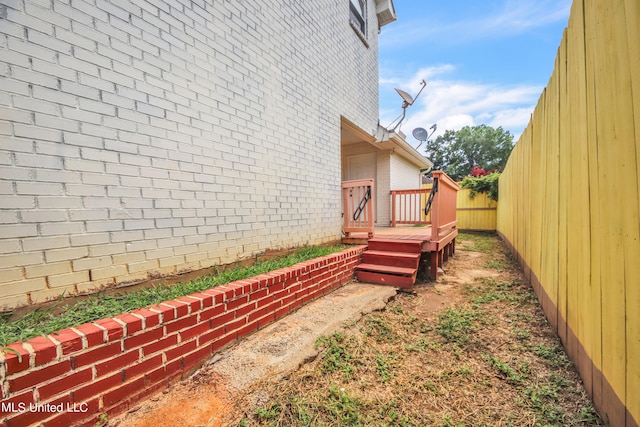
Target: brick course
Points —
{"points": [[106, 366]]}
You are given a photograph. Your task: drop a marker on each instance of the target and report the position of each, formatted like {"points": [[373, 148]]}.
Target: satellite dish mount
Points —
{"points": [[422, 135], [407, 101]]}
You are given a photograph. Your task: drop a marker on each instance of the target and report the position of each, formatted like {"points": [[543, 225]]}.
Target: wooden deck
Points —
{"points": [[423, 221], [439, 250]]}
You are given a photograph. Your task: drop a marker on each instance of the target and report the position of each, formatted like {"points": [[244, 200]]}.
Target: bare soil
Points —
{"points": [[472, 349]]}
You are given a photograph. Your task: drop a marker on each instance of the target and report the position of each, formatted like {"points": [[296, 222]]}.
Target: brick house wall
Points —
{"points": [[149, 137]]}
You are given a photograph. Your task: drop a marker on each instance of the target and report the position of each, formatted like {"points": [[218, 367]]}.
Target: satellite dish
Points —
{"points": [[420, 134], [408, 99]]}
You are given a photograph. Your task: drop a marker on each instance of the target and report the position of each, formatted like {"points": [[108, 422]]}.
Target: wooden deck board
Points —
{"points": [[440, 250]]}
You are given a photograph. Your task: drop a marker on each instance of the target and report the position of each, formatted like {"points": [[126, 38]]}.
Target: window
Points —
{"points": [[357, 15]]}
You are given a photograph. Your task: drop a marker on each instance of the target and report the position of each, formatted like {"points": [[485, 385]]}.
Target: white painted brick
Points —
{"points": [[76, 15], [67, 254], [48, 16], [85, 190], [122, 170], [90, 239], [48, 41], [175, 125], [91, 263], [33, 77], [115, 10], [107, 272], [22, 286], [69, 279], [147, 109], [8, 217], [95, 82], [59, 202], [25, 103], [18, 16], [82, 116], [119, 124], [152, 65], [38, 133], [15, 115], [117, 100], [54, 122], [135, 181], [132, 94], [15, 58], [117, 78], [78, 39], [100, 131], [54, 96], [16, 87], [31, 49], [38, 189], [34, 271], [80, 90], [89, 32], [91, 57], [15, 231], [34, 160], [60, 228], [65, 176], [90, 9], [45, 243], [38, 216], [116, 55], [11, 275]]}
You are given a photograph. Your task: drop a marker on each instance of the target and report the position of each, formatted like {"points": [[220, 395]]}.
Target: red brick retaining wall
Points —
{"points": [[75, 375]]}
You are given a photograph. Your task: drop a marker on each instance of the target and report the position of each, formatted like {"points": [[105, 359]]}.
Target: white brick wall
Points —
{"points": [[145, 137]]}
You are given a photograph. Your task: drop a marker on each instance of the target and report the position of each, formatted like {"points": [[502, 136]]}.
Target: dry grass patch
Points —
{"points": [[469, 350]]}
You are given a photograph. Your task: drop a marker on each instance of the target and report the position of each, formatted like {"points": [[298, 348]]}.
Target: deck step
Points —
{"points": [[395, 259], [386, 279], [400, 271], [411, 246]]}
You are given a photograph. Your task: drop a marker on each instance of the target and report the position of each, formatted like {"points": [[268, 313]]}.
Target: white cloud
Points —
{"points": [[454, 104], [509, 18]]}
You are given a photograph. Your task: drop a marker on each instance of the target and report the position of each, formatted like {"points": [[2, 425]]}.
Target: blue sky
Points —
{"points": [[485, 62]]}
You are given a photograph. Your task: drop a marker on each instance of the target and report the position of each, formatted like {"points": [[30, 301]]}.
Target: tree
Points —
{"points": [[457, 152]]}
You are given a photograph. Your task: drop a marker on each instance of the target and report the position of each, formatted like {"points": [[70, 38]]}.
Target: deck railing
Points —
{"points": [[408, 206], [358, 204], [443, 209]]}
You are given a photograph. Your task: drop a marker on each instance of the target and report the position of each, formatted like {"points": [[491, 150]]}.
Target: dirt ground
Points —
{"points": [[390, 358], [208, 397]]}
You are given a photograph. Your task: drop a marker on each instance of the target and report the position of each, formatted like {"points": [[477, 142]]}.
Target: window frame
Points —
{"points": [[358, 18]]}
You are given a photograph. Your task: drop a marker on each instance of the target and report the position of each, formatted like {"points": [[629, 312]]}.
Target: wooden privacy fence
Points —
{"points": [[570, 206], [477, 214]]}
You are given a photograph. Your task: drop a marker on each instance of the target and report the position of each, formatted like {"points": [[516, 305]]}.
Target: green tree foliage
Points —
{"points": [[457, 152]]}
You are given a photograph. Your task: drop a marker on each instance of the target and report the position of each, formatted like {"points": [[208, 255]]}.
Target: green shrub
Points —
{"points": [[487, 184]]}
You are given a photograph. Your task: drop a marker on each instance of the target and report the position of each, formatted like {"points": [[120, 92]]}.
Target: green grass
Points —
{"points": [[552, 354], [479, 242], [456, 326], [511, 374], [43, 321], [337, 356]]}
